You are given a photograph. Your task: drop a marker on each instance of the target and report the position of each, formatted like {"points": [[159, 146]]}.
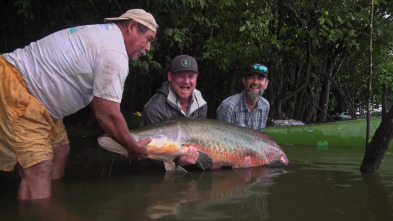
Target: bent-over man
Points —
{"points": [[58, 75]]}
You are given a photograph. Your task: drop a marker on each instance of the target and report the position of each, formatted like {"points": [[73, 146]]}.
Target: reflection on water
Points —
{"points": [[211, 194], [318, 184]]}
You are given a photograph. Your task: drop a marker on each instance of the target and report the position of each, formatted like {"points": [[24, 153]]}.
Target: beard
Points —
{"points": [[136, 55], [254, 95], [143, 52]]}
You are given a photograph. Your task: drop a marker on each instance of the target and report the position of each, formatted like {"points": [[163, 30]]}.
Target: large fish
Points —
{"points": [[217, 143]]}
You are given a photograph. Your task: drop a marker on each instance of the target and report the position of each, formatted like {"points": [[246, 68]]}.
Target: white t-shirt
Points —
{"points": [[67, 68]]}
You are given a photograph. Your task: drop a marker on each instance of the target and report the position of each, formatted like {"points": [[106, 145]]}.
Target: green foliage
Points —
{"points": [[305, 44]]}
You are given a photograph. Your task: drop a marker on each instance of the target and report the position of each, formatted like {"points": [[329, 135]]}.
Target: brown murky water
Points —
{"points": [[320, 183]]}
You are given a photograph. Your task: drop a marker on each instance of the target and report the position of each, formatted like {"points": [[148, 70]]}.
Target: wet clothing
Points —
{"points": [[164, 105], [234, 110], [67, 68], [52, 78], [25, 123]]}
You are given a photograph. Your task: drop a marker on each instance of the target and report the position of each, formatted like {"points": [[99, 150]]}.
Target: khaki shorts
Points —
{"points": [[27, 132]]}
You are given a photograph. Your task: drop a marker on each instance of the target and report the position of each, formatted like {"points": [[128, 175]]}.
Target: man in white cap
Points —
{"points": [[57, 76]]}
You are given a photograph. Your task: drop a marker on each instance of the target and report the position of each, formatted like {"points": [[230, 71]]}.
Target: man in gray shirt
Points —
{"points": [[178, 98]]}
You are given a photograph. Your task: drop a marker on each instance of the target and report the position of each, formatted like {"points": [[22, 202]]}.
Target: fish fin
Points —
{"points": [[169, 166], [204, 160], [174, 175], [111, 145], [181, 169]]}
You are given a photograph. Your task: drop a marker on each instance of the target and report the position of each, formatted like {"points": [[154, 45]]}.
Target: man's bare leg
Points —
{"points": [[59, 160], [35, 181]]}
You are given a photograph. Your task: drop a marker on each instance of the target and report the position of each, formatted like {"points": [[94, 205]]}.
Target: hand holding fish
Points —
{"points": [[190, 157], [139, 152]]}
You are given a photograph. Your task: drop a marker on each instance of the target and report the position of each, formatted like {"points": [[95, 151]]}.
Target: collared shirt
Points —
{"points": [[234, 110]]}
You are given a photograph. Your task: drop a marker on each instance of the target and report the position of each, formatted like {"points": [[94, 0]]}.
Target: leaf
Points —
{"points": [[321, 21]]}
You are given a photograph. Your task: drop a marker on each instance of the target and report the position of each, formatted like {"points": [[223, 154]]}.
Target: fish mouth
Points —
{"points": [[282, 162], [277, 164]]}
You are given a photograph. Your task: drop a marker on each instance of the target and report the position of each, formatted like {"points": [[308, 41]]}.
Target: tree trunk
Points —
{"points": [[324, 99], [299, 105], [379, 144]]}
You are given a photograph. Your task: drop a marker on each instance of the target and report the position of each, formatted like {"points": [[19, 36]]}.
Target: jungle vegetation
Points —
{"points": [[318, 52]]}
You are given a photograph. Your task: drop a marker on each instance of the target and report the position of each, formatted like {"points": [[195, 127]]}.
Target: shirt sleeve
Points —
{"points": [[151, 115], [224, 113], [204, 111], [265, 115]]}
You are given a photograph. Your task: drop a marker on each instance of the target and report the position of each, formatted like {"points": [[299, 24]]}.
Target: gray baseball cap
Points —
{"points": [[184, 63]]}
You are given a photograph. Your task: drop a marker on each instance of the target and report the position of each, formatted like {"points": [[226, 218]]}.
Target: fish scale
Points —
{"points": [[231, 150], [222, 142]]}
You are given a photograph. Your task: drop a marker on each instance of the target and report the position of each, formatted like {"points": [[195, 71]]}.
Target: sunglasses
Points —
{"points": [[257, 67]]}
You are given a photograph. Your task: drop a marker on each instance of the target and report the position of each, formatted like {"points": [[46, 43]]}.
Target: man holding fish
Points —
{"points": [[57, 76], [248, 108], [217, 143], [178, 98]]}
